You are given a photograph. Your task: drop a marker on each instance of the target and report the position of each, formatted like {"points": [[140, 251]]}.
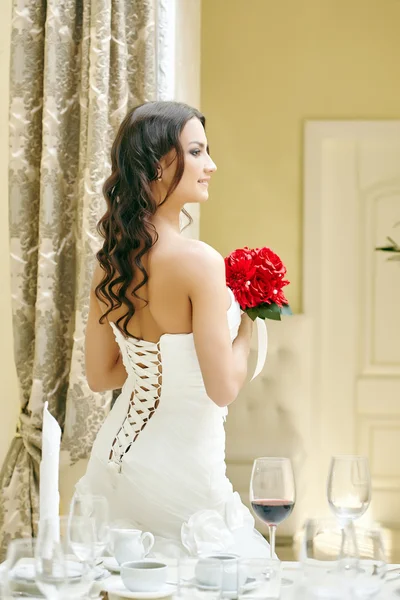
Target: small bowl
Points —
{"points": [[145, 575]]}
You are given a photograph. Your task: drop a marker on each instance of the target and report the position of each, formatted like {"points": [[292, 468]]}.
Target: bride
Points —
{"points": [[164, 327]]}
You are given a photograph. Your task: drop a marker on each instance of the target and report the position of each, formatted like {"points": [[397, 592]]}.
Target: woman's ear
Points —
{"points": [[166, 165]]}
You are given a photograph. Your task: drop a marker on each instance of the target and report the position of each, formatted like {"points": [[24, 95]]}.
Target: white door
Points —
{"points": [[352, 294]]}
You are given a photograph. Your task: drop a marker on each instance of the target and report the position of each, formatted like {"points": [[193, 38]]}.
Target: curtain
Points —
{"points": [[77, 66]]}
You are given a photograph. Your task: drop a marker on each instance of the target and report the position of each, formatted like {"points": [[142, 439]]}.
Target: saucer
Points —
{"points": [[24, 570], [118, 589], [110, 563], [251, 584]]}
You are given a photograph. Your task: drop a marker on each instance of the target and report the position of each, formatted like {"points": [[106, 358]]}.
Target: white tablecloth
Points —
{"points": [[291, 571]]}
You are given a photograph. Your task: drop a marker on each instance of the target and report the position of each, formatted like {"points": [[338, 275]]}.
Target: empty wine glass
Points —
{"points": [[50, 565], [328, 558], [341, 561], [272, 492], [95, 508], [79, 538], [18, 577], [371, 563], [76, 544], [349, 487]]}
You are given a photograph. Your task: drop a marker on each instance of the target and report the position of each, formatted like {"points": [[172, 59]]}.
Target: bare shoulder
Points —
{"points": [[198, 258], [201, 265], [186, 258]]}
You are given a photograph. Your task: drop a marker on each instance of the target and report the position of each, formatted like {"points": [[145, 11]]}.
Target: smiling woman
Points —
{"points": [[163, 326], [152, 178]]}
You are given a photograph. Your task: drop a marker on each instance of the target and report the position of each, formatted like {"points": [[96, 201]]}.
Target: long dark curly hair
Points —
{"points": [[145, 136]]}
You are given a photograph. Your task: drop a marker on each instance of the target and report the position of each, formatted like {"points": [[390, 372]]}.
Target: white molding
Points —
{"points": [[178, 64], [316, 134], [335, 221], [166, 48]]}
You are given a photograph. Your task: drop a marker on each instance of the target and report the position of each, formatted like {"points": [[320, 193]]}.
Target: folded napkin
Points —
{"points": [[49, 497], [208, 531]]}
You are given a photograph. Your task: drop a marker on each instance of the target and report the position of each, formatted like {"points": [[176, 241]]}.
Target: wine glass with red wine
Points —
{"points": [[272, 492]]}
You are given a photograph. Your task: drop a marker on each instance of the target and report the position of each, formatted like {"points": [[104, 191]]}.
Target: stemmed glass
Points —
{"points": [[79, 538], [371, 569], [339, 561], [50, 563], [95, 508], [272, 492], [23, 576], [72, 544], [349, 487], [327, 552]]}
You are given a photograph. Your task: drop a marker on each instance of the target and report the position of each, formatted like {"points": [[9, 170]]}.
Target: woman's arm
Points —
{"points": [[104, 367], [223, 364]]}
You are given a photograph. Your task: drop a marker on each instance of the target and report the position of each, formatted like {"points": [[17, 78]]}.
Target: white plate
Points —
{"points": [[250, 584], [110, 563], [24, 570], [118, 589], [25, 588]]}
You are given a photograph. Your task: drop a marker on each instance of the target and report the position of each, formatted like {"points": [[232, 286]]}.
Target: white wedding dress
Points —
{"points": [[159, 457]]}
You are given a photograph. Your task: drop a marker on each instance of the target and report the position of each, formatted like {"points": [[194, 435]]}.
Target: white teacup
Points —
{"points": [[144, 575], [207, 575], [131, 544]]}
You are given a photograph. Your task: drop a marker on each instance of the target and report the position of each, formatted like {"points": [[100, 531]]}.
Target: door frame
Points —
{"points": [[328, 412]]}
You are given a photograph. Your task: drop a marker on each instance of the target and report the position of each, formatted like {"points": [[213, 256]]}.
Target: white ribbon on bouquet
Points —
{"points": [[262, 343]]}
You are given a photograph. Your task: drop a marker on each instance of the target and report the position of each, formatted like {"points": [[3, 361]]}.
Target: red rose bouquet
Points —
{"points": [[257, 278]]}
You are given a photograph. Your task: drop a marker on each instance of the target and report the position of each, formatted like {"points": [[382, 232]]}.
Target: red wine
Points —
{"points": [[272, 512]]}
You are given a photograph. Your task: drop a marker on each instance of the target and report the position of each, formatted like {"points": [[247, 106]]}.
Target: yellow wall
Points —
{"points": [[8, 390], [267, 65]]}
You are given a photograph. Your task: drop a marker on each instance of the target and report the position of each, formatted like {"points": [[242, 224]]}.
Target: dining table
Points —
{"points": [[290, 589]]}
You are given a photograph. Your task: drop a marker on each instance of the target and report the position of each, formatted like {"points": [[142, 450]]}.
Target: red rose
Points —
{"points": [[271, 269], [256, 276], [240, 270]]}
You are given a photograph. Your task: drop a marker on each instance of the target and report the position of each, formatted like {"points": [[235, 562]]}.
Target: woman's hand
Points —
{"points": [[246, 325]]}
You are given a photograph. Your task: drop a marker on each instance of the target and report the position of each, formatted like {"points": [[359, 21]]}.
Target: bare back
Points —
{"points": [[168, 308], [186, 289], [186, 294]]}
